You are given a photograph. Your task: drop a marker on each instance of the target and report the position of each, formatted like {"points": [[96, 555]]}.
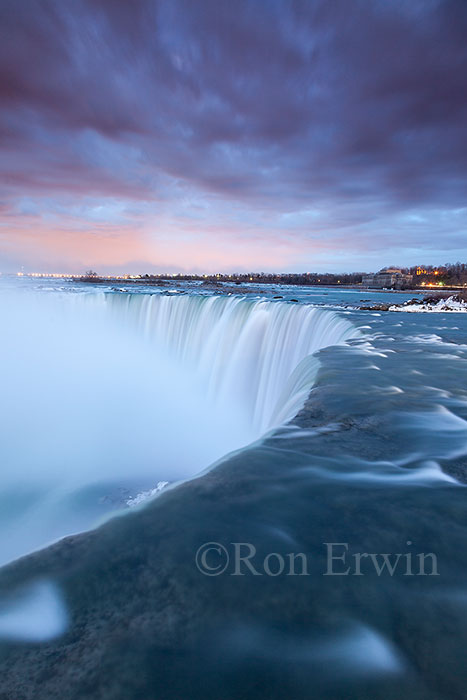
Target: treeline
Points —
{"points": [[450, 274], [305, 278]]}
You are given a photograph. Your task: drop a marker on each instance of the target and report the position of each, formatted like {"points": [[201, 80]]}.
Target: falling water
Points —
{"points": [[254, 353], [105, 395]]}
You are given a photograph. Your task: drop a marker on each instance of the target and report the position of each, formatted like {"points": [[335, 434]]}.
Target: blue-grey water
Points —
{"points": [[338, 436]]}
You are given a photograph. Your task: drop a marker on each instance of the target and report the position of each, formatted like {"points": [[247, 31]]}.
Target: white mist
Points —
{"points": [[104, 390]]}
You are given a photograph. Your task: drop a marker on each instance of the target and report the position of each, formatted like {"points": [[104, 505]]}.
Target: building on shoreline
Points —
{"points": [[387, 278]]}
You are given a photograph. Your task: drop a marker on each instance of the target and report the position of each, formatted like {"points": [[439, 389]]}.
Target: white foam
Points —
{"points": [[388, 473], [145, 496]]}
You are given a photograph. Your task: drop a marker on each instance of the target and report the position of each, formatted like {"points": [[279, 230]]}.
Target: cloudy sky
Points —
{"points": [[222, 135]]}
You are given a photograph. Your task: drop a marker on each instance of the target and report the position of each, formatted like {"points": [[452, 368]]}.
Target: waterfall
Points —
{"points": [[257, 353], [105, 394]]}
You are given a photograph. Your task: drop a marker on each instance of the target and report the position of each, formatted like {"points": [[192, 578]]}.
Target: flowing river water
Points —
{"points": [[311, 540]]}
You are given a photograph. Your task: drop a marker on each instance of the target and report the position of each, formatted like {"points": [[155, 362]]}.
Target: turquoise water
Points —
{"points": [[373, 464]]}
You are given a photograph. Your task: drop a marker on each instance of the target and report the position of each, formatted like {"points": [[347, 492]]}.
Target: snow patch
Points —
{"points": [[146, 495], [443, 305]]}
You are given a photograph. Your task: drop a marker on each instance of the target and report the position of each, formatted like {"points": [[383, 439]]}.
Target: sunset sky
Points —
{"points": [[225, 135]]}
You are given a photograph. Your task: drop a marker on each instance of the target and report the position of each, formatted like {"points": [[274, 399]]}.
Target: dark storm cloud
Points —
{"points": [[276, 103]]}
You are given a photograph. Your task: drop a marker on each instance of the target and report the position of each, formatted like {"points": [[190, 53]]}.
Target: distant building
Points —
{"points": [[387, 278]]}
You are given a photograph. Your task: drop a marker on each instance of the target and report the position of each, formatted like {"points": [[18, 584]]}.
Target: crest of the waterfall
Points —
{"points": [[104, 395], [257, 354]]}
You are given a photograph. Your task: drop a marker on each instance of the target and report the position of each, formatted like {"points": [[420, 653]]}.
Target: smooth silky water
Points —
{"points": [[106, 395], [347, 427]]}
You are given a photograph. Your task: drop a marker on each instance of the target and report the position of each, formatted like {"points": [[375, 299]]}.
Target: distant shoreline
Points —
{"points": [[223, 285]]}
